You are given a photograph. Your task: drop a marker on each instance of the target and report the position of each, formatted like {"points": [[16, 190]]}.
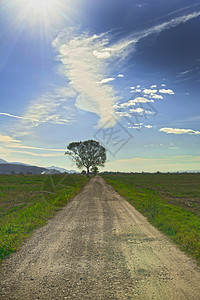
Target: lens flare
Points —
{"points": [[41, 4]]}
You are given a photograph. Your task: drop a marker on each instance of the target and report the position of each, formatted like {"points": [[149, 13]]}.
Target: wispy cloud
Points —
{"points": [[34, 148], [185, 72], [8, 139], [84, 60], [17, 117], [88, 59], [38, 154], [136, 37], [179, 131], [9, 145], [53, 107], [49, 107]]}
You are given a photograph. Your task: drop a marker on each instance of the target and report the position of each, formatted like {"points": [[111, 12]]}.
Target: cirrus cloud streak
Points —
{"points": [[179, 131]]}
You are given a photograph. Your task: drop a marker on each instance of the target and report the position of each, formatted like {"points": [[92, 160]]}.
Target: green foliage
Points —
{"points": [[153, 195], [28, 202], [94, 170], [87, 154]]}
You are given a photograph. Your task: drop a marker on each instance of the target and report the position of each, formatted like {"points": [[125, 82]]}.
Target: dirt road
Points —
{"points": [[99, 247]]}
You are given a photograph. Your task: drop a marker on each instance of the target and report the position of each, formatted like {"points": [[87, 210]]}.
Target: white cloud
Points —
{"points": [[132, 102], [155, 96], [120, 75], [148, 126], [139, 124], [103, 54], [166, 91], [106, 80], [179, 131], [117, 105], [86, 61], [163, 84], [149, 91], [141, 100], [134, 127], [153, 86], [123, 114], [80, 57], [132, 87], [138, 110], [138, 90], [138, 86]]}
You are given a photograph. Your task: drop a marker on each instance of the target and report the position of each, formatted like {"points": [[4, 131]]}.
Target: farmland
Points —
{"points": [[28, 201], [171, 202]]}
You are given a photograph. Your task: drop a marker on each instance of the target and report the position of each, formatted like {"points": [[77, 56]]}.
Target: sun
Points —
{"points": [[41, 16], [41, 5], [41, 12]]}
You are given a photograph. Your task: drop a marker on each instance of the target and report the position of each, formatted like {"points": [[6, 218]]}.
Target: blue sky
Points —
{"points": [[126, 73]]}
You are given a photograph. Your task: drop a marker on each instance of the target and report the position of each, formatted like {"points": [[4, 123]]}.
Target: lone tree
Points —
{"points": [[87, 154]]}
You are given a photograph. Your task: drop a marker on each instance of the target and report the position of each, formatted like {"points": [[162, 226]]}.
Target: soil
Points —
{"points": [[99, 247]]}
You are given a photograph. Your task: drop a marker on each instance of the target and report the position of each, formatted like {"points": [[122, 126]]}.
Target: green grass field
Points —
{"points": [[28, 201], [171, 202]]}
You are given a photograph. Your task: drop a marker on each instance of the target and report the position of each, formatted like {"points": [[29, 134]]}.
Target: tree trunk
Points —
{"points": [[88, 172]]}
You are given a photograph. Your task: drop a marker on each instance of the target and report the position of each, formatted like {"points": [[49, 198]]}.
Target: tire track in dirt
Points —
{"points": [[99, 247]]}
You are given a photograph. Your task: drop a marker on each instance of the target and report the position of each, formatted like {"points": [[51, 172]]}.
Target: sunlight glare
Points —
{"points": [[41, 4]]}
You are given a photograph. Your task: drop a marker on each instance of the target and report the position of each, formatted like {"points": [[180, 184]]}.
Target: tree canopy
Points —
{"points": [[87, 154]]}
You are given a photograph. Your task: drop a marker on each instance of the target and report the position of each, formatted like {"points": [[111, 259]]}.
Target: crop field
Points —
{"points": [[171, 202], [28, 201]]}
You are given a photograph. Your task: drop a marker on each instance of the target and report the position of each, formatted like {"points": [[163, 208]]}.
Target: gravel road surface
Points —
{"points": [[99, 247]]}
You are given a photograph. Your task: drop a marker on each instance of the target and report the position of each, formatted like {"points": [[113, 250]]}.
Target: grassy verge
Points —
{"points": [[171, 217], [27, 202]]}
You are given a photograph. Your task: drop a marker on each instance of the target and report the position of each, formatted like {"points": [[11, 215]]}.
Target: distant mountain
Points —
{"points": [[18, 163], [61, 170], [16, 169], [2, 161]]}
